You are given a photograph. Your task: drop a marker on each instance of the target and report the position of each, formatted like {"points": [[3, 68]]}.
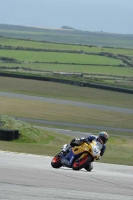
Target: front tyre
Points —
{"points": [[56, 162], [89, 167], [81, 163]]}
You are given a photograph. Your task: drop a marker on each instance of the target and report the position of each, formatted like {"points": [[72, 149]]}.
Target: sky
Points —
{"points": [[113, 16]]}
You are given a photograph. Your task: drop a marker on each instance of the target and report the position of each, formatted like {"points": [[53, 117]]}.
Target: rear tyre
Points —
{"points": [[56, 162], [81, 163]]}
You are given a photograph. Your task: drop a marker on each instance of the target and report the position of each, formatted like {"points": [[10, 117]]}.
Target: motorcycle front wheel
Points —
{"points": [[81, 163], [56, 162]]}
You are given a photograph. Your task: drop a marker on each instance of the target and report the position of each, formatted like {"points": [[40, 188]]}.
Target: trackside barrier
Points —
{"points": [[9, 135]]}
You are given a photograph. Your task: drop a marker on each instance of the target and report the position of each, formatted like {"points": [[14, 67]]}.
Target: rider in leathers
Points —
{"points": [[102, 138]]}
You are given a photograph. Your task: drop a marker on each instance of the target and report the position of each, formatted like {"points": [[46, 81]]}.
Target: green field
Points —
{"points": [[28, 56], [112, 71], [55, 46], [102, 64]]}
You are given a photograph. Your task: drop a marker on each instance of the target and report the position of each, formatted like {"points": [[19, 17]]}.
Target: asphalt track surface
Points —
{"points": [[31, 177], [71, 103]]}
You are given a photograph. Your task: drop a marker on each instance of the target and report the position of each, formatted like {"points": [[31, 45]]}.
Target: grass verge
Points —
{"points": [[67, 92], [42, 142], [21, 108]]}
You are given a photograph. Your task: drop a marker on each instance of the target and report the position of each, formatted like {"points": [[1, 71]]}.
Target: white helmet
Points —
{"points": [[103, 136]]}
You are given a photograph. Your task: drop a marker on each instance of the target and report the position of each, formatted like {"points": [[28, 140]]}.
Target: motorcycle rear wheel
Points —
{"points": [[56, 162], [79, 164]]}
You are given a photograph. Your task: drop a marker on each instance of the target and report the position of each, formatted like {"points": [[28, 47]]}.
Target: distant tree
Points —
{"points": [[67, 27]]}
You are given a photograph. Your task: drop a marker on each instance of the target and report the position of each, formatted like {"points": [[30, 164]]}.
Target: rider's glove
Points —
{"points": [[77, 141], [82, 139]]}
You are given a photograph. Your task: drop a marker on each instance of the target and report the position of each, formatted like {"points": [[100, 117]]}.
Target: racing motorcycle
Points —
{"points": [[78, 157]]}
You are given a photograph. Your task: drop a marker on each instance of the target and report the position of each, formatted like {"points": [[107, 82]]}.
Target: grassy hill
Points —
{"points": [[64, 35]]}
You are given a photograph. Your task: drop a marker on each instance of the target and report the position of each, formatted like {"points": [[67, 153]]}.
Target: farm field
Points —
{"points": [[32, 56], [106, 65], [45, 68], [54, 46]]}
